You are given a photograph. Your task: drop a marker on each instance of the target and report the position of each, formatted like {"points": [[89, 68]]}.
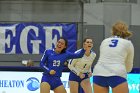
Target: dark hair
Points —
{"points": [[66, 44], [86, 39]]}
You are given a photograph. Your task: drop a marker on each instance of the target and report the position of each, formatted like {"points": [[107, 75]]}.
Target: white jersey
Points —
{"points": [[116, 57], [83, 64]]}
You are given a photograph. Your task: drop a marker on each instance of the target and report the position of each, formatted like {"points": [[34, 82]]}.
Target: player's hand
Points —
{"points": [[89, 74], [81, 75], [85, 47], [52, 72]]}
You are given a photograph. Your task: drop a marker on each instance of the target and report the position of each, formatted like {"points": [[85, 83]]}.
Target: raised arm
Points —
{"points": [[77, 54], [93, 56]]}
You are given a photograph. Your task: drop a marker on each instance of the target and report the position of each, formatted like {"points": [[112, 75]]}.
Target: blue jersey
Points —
{"points": [[54, 61]]}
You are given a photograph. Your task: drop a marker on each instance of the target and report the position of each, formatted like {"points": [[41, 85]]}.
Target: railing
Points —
{"points": [[38, 69], [24, 68]]}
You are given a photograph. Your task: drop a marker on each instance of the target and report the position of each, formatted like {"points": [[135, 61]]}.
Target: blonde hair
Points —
{"points": [[121, 29]]}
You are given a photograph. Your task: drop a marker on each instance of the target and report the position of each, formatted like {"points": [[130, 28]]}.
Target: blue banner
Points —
{"points": [[33, 38]]}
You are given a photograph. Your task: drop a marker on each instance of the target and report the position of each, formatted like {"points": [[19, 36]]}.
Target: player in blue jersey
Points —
{"points": [[81, 69], [52, 62], [116, 59]]}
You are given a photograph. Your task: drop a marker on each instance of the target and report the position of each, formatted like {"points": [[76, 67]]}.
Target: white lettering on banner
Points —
{"points": [[10, 45], [11, 83], [48, 32], [134, 87], [35, 46], [23, 39], [6, 41]]}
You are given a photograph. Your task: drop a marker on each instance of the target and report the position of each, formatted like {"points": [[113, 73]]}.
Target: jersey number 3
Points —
{"points": [[114, 43]]}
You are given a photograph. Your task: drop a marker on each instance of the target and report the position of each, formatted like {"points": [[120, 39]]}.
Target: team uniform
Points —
{"points": [[116, 59], [81, 65], [53, 61]]}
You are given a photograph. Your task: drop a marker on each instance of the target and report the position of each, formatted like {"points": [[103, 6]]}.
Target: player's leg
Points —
{"points": [[119, 84], [73, 86], [100, 89], [121, 88], [44, 87], [74, 82], [86, 85], [60, 89]]}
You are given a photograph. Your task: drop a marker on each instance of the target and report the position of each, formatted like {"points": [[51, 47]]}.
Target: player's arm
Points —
{"points": [[71, 66], [43, 62], [130, 58], [77, 54], [93, 56]]}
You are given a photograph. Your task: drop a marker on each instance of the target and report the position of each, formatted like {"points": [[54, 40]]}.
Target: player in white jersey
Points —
{"points": [[81, 69], [116, 59]]}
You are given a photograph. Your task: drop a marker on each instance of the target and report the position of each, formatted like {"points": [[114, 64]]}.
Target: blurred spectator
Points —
{"points": [[28, 63]]}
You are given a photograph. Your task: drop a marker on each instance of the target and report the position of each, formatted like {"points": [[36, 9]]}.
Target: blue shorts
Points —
{"points": [[111, 81], [74, 77], [52, 80]]}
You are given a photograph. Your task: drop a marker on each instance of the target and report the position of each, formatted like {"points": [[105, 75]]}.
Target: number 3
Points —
{"points": [[114, 43]]}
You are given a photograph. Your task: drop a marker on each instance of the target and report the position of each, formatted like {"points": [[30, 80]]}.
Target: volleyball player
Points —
{"points": [[52, 62], [81, 69], [116, 59]]}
